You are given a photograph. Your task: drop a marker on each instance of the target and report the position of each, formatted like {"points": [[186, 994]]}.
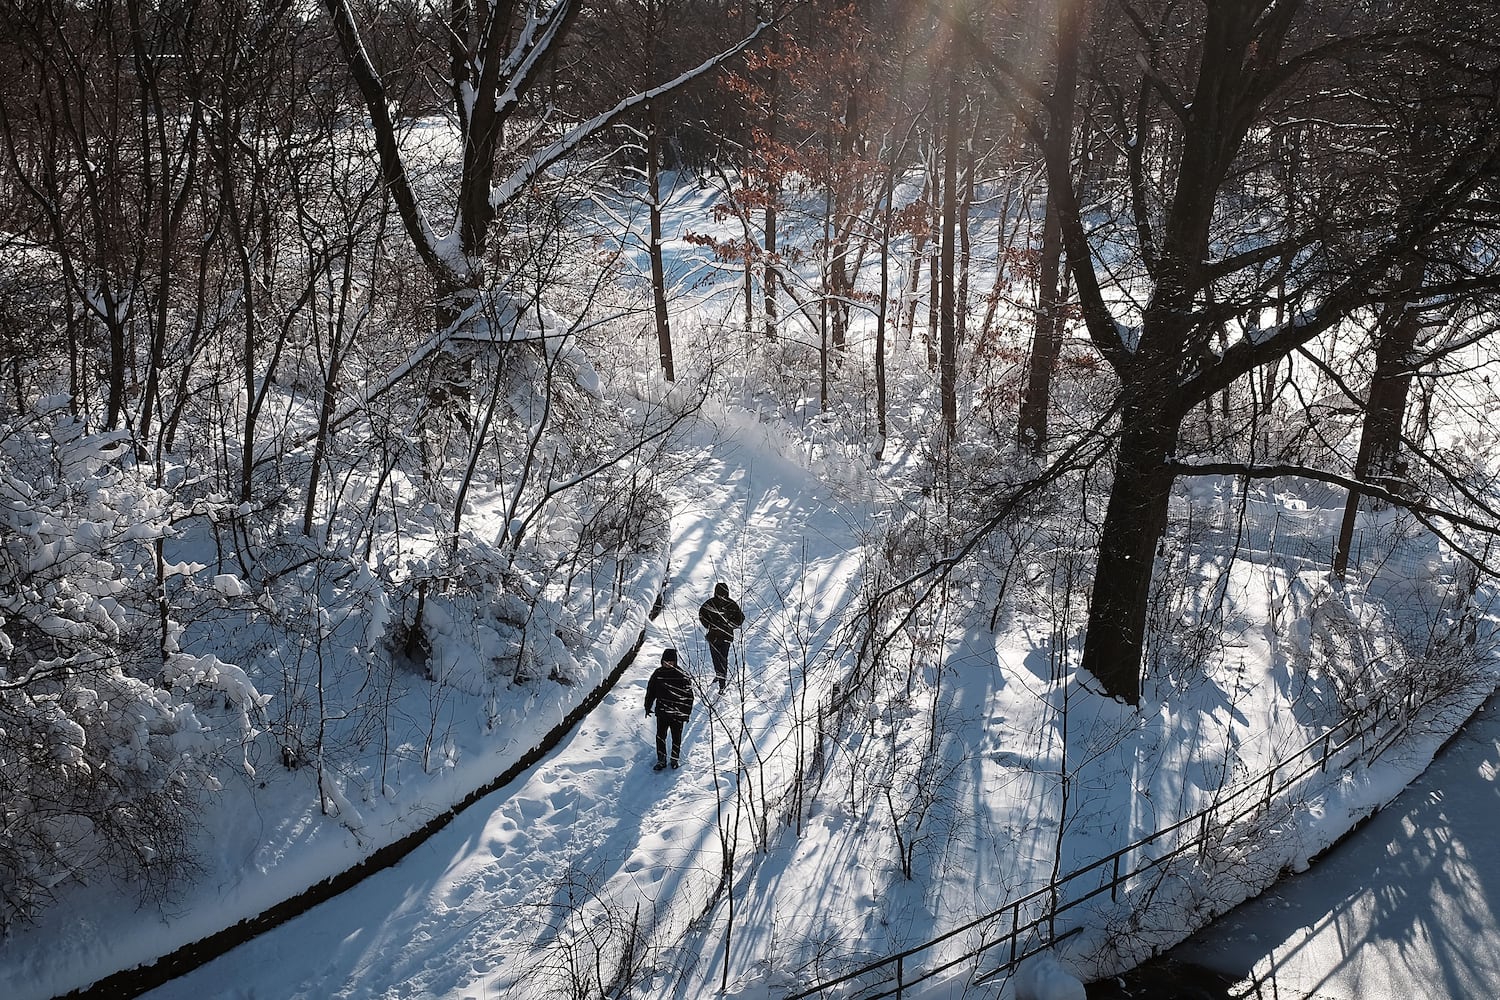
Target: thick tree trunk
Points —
{"points": [[1134, 523], [1046, 338], [1046, 341], [1385, 412]]}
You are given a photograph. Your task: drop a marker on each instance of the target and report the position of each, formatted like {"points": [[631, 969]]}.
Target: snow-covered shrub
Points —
{"points": [[101, 756], [1416, 630]]}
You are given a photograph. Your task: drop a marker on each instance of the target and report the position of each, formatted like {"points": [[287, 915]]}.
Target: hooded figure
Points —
{"points": [[720, 616], [670, 693]]}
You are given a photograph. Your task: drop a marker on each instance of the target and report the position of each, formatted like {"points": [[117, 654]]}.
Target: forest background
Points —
{"points": [[338, 339]]}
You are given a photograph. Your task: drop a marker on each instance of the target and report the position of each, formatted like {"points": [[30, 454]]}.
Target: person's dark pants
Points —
{"points": [[668, 724], [718, 650]]}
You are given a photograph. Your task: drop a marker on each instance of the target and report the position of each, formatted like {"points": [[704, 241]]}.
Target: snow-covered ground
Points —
{"points": [[1407, 907], [491, 907], [972, 771], [594, 861]]}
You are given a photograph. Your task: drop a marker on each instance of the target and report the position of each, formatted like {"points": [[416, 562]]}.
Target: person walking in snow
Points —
{"points": [[720, 616], [670, 693]]}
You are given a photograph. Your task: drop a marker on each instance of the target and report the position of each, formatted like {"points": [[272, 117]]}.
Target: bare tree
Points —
{"points": [[1216, 85], [1032, 425], [500, 52]]}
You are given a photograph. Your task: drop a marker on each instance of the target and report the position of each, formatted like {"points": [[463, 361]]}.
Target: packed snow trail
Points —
{"points": [[511, 899]]}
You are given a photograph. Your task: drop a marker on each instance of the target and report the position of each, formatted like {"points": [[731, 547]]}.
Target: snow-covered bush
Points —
{"points": [[102, 757]]}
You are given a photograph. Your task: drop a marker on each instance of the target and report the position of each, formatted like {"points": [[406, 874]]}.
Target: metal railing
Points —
{"points": [[1376, 727]]}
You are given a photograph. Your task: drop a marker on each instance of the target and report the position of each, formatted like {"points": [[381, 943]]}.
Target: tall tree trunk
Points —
{"points": [[965, 237], [880, 320], [649, 73], [827, 271], [935, 272], [841, 275], [914, 278], [240, 240], [948, 307], [1046, 342], [658, 266], [1046, 338], [328, 398], [772, 181], [1385, 411], [1134, 523], [167, 185], [119, 364]]}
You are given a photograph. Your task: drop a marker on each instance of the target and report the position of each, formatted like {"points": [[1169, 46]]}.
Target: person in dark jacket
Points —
{"points": [[670, 693], [720, 616]]}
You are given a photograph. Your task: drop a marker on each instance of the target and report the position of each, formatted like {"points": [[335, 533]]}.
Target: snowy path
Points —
{"points": [[483, 909], [1407, 907]]}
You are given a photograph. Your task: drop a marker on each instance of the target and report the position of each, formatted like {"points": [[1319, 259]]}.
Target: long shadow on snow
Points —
{"points": [[1424, 886]]}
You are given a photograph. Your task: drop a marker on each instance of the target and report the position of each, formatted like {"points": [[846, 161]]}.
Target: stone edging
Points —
{"points": [[135, 981]]}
